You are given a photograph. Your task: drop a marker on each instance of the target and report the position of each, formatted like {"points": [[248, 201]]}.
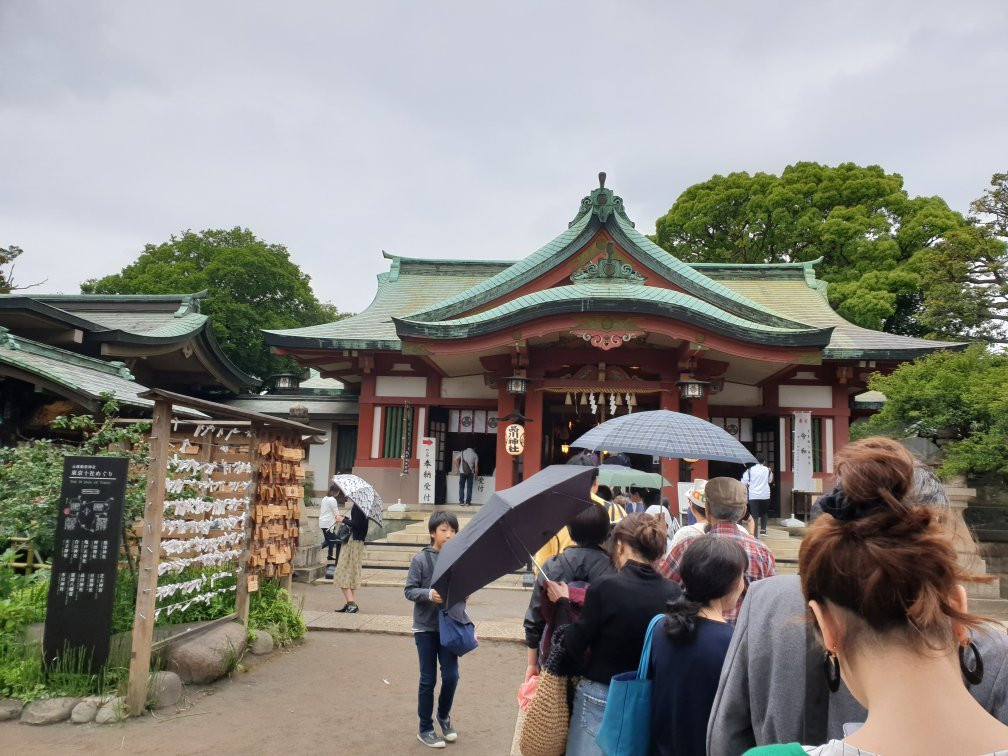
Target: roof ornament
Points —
{"points": [[7, 339], [608, 269], [602, 203]]}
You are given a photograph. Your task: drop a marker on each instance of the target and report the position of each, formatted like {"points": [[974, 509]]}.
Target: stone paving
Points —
{"points": [[392, 624]]}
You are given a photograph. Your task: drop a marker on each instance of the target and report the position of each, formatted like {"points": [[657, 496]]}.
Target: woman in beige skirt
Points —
{"points": [[351, 558]]}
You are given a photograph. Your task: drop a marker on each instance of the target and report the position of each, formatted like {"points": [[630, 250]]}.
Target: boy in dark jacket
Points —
{"points": [[426, 605]]}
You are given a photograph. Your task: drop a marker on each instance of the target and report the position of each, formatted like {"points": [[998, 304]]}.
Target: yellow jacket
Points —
{"points": [[563, 540]]}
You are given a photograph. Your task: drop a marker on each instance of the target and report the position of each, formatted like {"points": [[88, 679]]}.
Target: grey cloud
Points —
{"points": [[457, 129]]}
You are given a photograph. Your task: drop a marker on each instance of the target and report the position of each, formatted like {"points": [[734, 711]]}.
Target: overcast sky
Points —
{"points": [[459, 130]]}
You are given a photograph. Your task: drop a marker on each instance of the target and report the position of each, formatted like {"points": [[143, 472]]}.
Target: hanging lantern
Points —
{"points": [[619, 400], [584, 399], [567, 400]]}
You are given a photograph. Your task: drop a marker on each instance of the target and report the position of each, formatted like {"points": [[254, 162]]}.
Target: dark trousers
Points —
{"points": [[465, 488], [329, 540], [430, 651], [759, 509]]}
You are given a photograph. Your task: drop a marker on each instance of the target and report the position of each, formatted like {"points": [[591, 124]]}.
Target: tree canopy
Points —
{"points": [[252, 286], [958, 398], [875, 240]]}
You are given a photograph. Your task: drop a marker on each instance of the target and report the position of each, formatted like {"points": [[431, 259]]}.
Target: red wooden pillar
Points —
{"points": [[534, 430], [670, 467], [698, 408], [841, 417], [505, 469], [365, 431]]}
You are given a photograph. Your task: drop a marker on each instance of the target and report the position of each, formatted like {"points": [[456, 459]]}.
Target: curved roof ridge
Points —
{"points": [[517, 274]]}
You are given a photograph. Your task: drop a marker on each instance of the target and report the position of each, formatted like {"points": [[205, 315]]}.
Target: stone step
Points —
{"points": [[984, 590], [993, 608]]}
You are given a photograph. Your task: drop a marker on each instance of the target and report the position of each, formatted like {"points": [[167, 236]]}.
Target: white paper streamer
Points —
{"points": [[203, 598], [216, 507], [203, 560], [202, 527], [191, 586], [183, 545], [179, 464]]}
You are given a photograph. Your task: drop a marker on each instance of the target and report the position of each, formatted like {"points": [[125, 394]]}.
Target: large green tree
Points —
{"points": [[252, 286], [965, 275], [957, 398], [860, 220]]}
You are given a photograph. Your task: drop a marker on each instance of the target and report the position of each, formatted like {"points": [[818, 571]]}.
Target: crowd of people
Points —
{"points": [[872, 650]]}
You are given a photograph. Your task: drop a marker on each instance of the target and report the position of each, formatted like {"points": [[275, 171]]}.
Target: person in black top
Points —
{"points": [[584, 562], [351, 558], [686, 658], [616, 613]]}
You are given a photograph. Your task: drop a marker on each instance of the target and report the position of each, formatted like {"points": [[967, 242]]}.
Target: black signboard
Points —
{"points": [[82, 586]]}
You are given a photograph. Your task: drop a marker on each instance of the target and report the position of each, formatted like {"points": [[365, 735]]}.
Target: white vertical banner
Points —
{"points": [[479, 421], [491, 421], [427, 456], [453, 421], [802, 451], [466, 420], [745, 430]]}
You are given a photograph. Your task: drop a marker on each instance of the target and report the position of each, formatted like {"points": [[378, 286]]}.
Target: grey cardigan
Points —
{"points": [[417, 590], [761, 693]]}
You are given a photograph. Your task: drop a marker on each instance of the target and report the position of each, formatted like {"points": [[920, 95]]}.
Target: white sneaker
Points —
{"points": [[431, 739]]}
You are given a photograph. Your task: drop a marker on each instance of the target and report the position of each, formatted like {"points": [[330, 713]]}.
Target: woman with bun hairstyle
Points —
{"points": [[687, 657], [613, 621], [885, 591]]}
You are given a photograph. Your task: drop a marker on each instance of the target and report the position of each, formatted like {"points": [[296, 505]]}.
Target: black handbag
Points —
{"points": [[340, 532]]}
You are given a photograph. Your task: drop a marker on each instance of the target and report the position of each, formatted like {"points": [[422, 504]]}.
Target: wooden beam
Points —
{"points": [[150, 551]]}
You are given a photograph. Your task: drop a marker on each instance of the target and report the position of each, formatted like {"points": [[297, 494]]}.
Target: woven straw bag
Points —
{"points": [[547, 717], [544, 732]]}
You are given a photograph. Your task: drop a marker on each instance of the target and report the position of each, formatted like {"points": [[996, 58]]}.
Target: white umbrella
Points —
{"points": [[361, 493]]}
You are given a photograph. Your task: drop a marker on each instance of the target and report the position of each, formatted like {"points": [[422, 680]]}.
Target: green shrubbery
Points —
{"points": [[270, 609]]}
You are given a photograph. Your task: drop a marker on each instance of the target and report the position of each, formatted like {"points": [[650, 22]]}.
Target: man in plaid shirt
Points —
{"points": [[726, 500]]}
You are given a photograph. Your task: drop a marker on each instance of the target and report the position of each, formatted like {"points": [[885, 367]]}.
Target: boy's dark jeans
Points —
{"points": [[430, 652]]}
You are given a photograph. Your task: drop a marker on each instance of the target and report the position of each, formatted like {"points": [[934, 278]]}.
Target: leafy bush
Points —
{"points": [[31, 474], [958, 398], [270, 609]]}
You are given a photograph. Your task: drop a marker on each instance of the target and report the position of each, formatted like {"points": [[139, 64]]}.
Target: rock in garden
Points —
{"points": [[263, 643], [165, 689], [10, 708], [113, 711], [210, 655], [48, 710], [84, 712]]}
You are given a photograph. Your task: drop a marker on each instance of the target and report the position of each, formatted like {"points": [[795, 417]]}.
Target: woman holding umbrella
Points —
{"points": [[613, 622], [366, 505]]}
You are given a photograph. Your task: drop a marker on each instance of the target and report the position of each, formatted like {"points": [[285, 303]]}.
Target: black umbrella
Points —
{"points": [[511, 526]]}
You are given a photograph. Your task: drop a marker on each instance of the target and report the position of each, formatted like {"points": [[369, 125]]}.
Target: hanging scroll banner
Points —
{"points": [[802, 451], [407, 437]]}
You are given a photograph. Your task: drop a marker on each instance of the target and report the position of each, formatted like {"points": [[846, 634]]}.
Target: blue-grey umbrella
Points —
{"points": [[509, 528], [664, 433]]}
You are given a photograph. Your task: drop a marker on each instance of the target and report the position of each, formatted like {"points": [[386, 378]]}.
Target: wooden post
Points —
{"points": [[242, 573], [150, 550]]}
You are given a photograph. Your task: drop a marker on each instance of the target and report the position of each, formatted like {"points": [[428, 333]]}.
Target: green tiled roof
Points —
{"points": [[410, 285], [793, 290], [759, 302], [612, 297], [81, 378], [153, 319]]}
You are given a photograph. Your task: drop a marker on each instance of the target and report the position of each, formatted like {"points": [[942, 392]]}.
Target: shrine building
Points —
{"points": [[598, 322]]}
